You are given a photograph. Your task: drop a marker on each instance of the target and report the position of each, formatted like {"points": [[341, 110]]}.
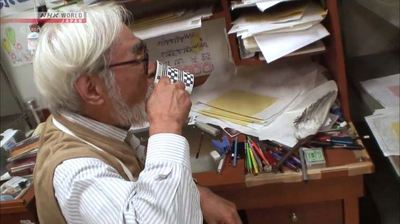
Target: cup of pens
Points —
{"points": [[174, 75]]}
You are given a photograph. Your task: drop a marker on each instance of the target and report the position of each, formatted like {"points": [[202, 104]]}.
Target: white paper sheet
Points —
{"points": [[304, 75], [187, 22], [201, 51], [264, 5], [384, 124], [282, 130], [274, 46], [313, 14], [385, 90]]}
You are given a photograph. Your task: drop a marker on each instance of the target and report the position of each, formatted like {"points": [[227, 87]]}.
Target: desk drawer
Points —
{"points": [[330, 212]]}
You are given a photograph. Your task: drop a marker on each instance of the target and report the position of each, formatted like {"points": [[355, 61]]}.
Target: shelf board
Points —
{"points": [[256, 61]]}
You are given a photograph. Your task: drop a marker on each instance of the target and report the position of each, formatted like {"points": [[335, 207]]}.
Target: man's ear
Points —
{"points": [[89, 89]]}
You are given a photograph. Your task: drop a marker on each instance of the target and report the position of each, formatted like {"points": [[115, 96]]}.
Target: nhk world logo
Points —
{"points": [[51, 17]]}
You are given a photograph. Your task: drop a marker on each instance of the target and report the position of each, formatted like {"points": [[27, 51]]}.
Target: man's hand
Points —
{"points": [[168, 107], [216, 209]]}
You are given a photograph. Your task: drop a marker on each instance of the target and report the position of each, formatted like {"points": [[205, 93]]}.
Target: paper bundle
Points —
{"points": [[385, 125], [261, 101], [278, 33], [169, 23]]}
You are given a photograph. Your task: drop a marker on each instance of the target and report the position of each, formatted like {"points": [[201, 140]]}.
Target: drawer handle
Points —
{"points": [[293, 218]]}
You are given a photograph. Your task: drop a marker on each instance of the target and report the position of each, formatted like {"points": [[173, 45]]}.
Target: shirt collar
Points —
{"points": [[100, 128]]}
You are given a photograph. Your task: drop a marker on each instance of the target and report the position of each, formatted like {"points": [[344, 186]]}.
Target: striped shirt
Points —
{"points": [[90, 191]]}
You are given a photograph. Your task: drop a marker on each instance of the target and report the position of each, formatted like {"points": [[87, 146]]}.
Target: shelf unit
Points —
{"points": [[332, 58]]}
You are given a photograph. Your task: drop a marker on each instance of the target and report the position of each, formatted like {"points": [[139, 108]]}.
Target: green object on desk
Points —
{"points": [[314, 157]]}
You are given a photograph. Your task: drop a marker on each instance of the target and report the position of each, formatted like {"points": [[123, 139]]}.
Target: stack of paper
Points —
{"points": [[386, 90], [280, 32], [262, 5], [385, 125], [259, 99], [169, 23]]}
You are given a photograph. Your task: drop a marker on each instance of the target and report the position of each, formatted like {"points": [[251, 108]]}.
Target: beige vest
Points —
{"points": [[56, 146]]}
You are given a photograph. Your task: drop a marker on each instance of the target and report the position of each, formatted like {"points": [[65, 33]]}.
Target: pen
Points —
{"points": [[294, 149], [342, 140], [199, 147], [253, 161], [235, 153], [248, 158], [258, 160], [353, 147], [259, 152], [287, 163], [271, 160]]}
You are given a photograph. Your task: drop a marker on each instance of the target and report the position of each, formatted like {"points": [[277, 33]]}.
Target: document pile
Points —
{"points": [[385, 123], [261, 101], [262, 5], [280, 31], [170, 23]]}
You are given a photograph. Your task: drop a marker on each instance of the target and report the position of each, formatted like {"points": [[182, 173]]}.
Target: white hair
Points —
{"points": [[67, 50]]}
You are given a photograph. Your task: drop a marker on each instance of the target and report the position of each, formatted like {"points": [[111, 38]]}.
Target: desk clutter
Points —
{"points": [[19, 168], [265, 156], [20, 159], [385, 123]]}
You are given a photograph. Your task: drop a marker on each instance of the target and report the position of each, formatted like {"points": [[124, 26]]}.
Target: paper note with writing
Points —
{"points": [[199, 52]]}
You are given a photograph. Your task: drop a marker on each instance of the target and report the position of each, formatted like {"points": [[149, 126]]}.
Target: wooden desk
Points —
{"points": [[23, 208], [330, 196]]}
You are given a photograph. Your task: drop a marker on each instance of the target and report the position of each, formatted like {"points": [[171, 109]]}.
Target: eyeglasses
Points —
{"points": [[145, 60]]}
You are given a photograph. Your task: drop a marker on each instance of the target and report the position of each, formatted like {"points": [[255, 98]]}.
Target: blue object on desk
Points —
{"points": [[235, 152], [6, 197], [222, 146], [347, 140]]}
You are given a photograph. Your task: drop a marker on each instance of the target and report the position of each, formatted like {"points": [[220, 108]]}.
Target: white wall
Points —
{"points": [[22, 77]]}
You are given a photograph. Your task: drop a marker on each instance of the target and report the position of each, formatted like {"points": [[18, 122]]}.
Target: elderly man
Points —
{"points": [[97, 81]]}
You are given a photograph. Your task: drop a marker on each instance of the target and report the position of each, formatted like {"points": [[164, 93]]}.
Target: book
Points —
{"points": [[24, 149]]}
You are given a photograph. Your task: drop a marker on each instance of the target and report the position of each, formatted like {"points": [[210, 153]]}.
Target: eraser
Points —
{"points": [[215, 155]]}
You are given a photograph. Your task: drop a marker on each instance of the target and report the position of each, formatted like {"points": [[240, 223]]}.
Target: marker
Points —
{"points": [[259, 152], [248, 158], [253, 160], [235, 152]]}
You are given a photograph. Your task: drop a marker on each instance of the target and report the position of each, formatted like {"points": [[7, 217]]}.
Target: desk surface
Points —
{"points": [[334, 189], [365, 68]]}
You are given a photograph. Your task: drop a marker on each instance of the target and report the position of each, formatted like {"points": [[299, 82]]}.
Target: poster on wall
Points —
{"points": [[14, 43], [199, 51]]}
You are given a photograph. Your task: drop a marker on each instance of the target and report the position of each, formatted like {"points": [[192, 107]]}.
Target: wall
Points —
{"points": [[369, 27]]}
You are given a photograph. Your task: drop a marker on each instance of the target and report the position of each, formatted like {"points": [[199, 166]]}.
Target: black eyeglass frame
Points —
{"points": [[134, 61]]}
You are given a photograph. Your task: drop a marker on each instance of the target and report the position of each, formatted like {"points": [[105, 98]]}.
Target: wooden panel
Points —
{"points": [[231, 177], [334, 59], [16, 217], [272, 195], [21, 209], [329, 212]]}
